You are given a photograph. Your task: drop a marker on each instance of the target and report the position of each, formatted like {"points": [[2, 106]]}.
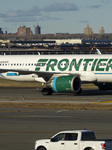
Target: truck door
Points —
{"points": [[57, 142], [71, 142]]}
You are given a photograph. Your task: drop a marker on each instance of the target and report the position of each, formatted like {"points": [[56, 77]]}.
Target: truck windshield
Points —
{"points": [[88, 136]]}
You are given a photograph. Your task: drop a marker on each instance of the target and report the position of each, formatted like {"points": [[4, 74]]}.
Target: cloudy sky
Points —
{"points": [[56, 16]]}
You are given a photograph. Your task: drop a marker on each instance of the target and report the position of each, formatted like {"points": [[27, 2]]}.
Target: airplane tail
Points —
{"points": [[98, 51]]}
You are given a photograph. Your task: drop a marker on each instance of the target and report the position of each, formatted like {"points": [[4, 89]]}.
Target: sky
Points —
{"points": [[56, 16]]}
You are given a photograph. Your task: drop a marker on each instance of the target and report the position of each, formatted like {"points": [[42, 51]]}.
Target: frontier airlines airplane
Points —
{"points": [[61, 73]]}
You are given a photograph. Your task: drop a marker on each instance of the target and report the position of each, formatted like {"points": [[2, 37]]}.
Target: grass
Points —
{"points": [[10, 83], [67, 106]]}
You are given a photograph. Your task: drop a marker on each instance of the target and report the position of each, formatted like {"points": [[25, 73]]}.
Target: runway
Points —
{"points": [[21, 127], [32, 95]]}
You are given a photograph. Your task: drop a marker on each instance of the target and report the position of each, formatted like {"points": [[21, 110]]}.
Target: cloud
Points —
{"points": [[44, 18], [55, 7], [20, 19], [21, 15], [84, 21], [106, 1], [95, 6], [31, 15]]}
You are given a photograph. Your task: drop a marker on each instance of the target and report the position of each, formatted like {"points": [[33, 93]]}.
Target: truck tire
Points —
{"points": [[89, 148], [41, 148]]}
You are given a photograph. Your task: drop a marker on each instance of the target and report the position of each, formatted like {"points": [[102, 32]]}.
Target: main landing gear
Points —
{"points": [[47, 91]]}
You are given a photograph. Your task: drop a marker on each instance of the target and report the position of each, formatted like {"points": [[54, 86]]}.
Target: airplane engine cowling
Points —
{"points": [[66, 84]]}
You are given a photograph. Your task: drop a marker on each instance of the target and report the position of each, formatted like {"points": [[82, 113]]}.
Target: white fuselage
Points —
{"points": [[90, 68]]}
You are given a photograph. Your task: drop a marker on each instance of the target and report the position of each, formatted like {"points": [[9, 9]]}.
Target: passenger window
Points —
{"points": [[88, 136], [71, 136]]}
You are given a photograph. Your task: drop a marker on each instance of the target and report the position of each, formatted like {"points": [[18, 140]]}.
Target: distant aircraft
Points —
{"points": [[98, 51], [61, 73]]}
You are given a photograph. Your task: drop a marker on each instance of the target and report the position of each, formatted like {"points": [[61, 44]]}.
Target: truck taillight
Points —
{"points": [[103, 145]]}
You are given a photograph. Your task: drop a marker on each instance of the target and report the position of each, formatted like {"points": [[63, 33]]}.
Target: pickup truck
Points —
{"points": [[73, 140]]}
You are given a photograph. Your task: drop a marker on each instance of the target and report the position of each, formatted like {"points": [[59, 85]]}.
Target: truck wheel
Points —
{"points": [[89, 148], [41, 148]]}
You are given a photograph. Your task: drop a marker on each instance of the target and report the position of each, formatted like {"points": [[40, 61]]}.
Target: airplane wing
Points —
{"points": [[27, 72], [21, 72], [84, 76], [44, 74]]}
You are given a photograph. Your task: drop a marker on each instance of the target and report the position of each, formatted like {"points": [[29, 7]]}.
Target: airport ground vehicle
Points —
{"points": [[74, 140]]}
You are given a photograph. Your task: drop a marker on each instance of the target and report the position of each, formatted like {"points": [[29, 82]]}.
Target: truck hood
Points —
{"points": [[43, 141]]}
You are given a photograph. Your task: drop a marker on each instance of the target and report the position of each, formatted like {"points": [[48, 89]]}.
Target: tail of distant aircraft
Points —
{"points": [[98, 51]]}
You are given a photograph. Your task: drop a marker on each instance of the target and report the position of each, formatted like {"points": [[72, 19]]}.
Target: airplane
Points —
{"points": [[60, 73], [98, 52]]}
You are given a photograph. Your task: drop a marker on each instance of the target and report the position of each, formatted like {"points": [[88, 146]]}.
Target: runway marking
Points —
{"points": [[61, 111], [102, 102]]}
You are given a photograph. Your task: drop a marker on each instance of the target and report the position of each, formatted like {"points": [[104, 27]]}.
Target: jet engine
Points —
{"points": [[66, 84]]}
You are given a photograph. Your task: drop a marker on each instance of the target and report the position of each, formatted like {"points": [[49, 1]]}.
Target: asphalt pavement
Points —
{"points": [[21, 127]]}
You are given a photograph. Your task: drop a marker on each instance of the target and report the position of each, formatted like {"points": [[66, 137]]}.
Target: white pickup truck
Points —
{"points": [[73, 140]]}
